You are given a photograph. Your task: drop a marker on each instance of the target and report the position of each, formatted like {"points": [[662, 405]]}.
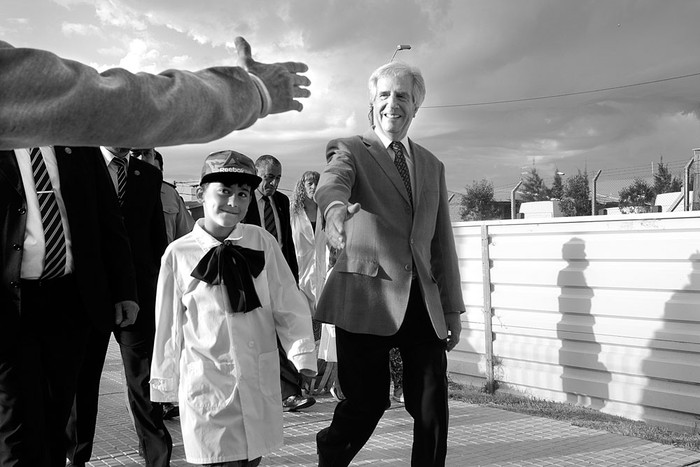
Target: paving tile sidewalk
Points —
{"points": [[479, 436]]}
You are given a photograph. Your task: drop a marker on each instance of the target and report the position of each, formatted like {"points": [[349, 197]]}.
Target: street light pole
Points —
{"points": [[400, 47]]}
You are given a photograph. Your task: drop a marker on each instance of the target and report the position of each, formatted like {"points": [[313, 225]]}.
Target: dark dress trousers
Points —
{"points": [[143, 217], [43, 324], [290, 378]]}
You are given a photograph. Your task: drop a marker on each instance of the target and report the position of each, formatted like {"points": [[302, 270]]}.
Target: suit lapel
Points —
{"points": [[253, 216], [9, 171], [420, 169], [133, 182], [379, 154]]}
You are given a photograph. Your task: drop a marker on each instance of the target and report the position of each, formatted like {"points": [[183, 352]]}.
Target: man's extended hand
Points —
{"points": [[125, 313], [335, 223], [281, 79], [454, 329]]}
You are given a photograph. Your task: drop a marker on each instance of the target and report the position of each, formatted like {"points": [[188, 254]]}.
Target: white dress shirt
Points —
{"points": [[112, 168], [34, 252]]}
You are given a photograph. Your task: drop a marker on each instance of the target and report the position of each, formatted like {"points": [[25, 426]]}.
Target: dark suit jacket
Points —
{"points": [[145, 226], [99, 241], [282, 205], [367, 290]]}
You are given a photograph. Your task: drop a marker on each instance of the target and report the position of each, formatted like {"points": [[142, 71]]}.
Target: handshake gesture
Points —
{"points": [[283, 83]]}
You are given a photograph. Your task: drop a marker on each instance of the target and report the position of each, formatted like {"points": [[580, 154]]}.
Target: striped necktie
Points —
{"points": [[269, 217], [54, 236], [400, 163], [120, 163]]}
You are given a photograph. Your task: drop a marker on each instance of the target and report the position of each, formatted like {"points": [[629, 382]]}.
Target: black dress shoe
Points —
{"points": [[170, 411], [297, 402]]}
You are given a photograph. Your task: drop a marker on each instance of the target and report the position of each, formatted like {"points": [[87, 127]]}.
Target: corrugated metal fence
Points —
{"points": [[600, 311]]}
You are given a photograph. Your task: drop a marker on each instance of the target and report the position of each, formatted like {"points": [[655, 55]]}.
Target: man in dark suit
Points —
{"points": [[271, 211], [43, 319], [137, 185], [396, 281]]}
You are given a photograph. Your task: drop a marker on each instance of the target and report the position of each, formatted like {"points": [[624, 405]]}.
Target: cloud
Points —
{"points": [[79, 29]]}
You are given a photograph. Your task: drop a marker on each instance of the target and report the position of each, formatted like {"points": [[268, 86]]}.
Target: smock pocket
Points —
{"points": [[269, 373], [210, 385]]}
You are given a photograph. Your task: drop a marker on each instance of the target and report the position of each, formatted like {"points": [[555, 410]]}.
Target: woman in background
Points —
{"points": [[303, 216], [314, 259]]}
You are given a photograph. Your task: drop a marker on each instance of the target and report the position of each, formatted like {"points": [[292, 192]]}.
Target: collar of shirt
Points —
{"points": [[206, 241], [109, 156], [387, 142]]}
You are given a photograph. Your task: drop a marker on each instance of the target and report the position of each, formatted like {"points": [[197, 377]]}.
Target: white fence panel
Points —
{"points": [[601, 311]]}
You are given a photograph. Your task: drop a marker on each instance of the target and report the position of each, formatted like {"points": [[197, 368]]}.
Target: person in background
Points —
{"points": [[270, 210], [396, 281], [137, 185], [303, 220], [48, 100], [62, 250], [178, 220], [225, 292]]}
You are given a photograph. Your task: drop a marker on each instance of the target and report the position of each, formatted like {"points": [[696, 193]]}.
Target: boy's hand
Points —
{"points": [[308, 373]]}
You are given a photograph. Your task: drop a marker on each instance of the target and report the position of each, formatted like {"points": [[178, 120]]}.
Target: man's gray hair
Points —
{"points": [[396, 69], [266, 160]]}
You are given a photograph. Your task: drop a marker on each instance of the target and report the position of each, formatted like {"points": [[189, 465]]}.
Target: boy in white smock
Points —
{"points": [[225, 293]]}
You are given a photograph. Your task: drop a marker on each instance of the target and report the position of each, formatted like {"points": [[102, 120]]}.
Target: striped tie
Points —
{"points": [[269, 217], [120, 163], [54, 236], [400, 163]]}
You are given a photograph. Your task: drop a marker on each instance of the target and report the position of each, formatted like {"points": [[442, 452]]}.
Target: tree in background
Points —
{"points": [[477, 202], [533, 187], [557, 190], [665, 181], [576, 197], [637, 197]]}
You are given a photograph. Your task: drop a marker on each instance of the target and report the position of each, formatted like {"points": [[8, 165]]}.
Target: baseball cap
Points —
{"points": [[229, 167]]}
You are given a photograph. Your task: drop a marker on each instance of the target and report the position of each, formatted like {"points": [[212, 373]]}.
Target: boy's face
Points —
{"points": [[224, 205]]}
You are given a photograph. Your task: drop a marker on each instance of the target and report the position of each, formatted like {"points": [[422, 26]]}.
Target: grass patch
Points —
{"points": [[577, 416]]}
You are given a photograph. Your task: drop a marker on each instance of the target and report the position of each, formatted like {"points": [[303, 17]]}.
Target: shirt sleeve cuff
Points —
{"points": [[264, 95], [163, 390]]}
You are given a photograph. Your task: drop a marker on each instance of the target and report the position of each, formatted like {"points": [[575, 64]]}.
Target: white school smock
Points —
{"points": [[223, 367]]}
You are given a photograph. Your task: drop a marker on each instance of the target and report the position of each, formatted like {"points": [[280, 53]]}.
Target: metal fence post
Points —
{"points": [[594, 192], [695, 205], [488, 309], [686, 184]]}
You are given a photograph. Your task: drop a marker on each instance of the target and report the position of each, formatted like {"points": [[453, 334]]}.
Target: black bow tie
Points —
{"points": [[235, 267]]}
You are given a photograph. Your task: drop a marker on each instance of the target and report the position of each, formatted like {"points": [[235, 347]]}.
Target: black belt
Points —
{"points": [[42, 283]]}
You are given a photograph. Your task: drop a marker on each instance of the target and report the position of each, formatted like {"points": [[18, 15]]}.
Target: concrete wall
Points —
{"points": [[600, 311]]}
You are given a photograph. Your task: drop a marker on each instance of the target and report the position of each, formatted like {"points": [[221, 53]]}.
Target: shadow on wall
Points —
{"points": [[671, 371], [584, 377]]}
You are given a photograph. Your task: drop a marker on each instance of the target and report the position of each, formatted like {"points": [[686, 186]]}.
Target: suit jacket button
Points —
{"points": [[17, 247], [22, 211], [407, 267]]}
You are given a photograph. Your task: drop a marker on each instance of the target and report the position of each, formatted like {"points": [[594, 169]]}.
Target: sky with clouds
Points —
{"points": [[474, 55]]}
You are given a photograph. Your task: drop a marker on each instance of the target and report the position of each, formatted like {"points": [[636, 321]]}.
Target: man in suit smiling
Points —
{"points": [[396, 281]]}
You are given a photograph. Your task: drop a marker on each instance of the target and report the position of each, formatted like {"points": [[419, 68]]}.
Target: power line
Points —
{"points": [[568, 94]]}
